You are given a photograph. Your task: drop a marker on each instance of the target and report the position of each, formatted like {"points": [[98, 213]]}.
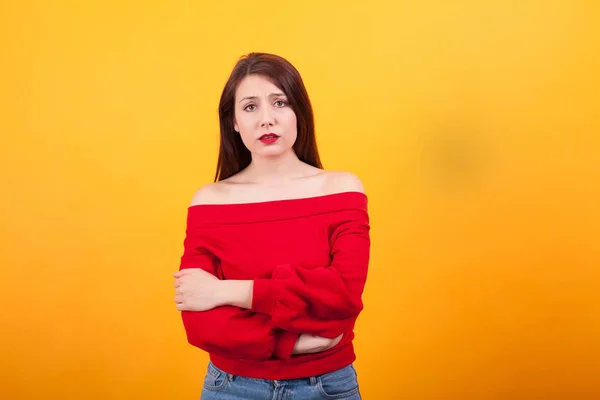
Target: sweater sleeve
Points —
{"points": [[323, 301], [229, 331]]}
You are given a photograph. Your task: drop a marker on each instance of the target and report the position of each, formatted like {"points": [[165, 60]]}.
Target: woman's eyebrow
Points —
{"points": [[256, 97]]}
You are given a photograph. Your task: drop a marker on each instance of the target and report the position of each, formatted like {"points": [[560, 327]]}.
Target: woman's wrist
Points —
{"points": [[311, 344], [236, 293], [308, 343]]}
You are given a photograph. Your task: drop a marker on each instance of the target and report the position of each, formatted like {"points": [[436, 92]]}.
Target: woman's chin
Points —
{"points": [[272, 151]]}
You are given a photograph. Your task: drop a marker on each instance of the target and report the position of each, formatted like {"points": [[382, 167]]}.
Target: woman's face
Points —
{"points": [[263, 117]]}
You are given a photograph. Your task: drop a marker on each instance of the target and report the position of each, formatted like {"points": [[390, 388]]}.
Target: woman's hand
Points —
{"points": [[307, 344], [197, 290]]}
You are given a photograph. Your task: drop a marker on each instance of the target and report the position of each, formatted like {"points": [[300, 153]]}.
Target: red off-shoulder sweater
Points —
{"points": [[308, 258]]}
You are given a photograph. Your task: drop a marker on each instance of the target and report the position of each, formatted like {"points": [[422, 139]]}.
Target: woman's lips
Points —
{"points": [[269, 138]]}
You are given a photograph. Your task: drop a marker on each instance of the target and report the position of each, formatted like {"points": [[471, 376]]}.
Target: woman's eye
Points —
{"points": [[280, 103], [250, 107]]}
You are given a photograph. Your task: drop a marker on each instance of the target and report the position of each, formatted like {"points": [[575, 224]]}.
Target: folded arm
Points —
{"points": [[323, 301], [230, 331]]}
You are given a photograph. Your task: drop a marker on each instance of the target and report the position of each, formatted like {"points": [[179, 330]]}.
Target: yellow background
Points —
{"points": [[473, 124]]}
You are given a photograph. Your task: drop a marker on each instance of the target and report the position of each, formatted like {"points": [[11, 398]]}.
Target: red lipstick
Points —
{"points": [[269, 138]]}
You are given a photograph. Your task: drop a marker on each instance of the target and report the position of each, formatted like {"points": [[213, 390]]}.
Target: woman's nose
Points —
{"points": [[267, 118]]}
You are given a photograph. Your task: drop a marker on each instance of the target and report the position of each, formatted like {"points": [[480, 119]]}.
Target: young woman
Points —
{"points": [[276, 249]]}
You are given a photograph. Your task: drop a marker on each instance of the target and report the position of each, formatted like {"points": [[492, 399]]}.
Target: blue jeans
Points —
{"points": [[340, 384]]}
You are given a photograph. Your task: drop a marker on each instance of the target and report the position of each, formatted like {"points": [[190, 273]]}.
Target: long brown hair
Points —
{"points": [[233, 154]]}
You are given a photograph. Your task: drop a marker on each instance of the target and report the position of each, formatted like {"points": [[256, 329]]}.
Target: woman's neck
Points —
{"points": [[274, 170]]}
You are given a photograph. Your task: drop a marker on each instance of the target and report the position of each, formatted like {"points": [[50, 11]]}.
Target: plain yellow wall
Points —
{"points": [[473, 124]]}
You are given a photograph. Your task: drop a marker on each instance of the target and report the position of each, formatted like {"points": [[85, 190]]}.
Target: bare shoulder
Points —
{"points": [[212, 193], [343, 181]]}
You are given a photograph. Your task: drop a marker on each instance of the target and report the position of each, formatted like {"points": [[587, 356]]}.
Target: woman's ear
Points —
{"points": [[235, 127]]}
